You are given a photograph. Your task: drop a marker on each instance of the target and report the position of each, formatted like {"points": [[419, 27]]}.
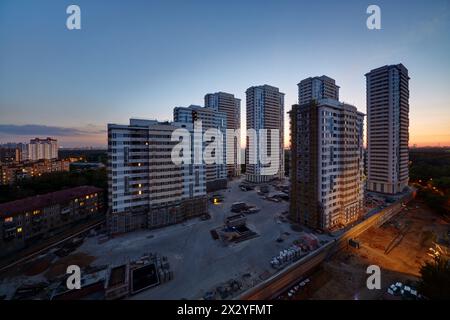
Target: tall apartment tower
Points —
{"points": [[327, 178], [231, 106], [145, 187], [265, 110], [388, 128], [316, 88], [39, 149], [216, 174]]}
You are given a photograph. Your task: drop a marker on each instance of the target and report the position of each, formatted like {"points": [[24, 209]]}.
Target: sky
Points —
{"points": [[143, 58]]}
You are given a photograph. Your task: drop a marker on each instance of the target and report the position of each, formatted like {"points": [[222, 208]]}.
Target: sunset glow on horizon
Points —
{"points": [[143, 59]]}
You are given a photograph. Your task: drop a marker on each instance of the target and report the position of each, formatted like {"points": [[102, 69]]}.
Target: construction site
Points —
{"points": [[399, 247], [237, 248], [214, 258]]}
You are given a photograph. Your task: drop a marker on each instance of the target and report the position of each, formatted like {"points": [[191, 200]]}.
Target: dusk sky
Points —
{"points": [[143, 58]]}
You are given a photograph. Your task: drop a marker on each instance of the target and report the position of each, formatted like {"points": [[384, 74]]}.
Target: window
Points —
{"points": [[9, 219]]}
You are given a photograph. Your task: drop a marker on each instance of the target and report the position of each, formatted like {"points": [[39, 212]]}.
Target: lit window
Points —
{"points": [[9, 219], [19, 230], [140, 192], [87, 197]]}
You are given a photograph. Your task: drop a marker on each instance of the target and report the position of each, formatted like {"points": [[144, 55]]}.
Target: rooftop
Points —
{"points": [[41, 201]]}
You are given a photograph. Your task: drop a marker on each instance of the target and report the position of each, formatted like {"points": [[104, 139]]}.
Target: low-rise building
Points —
{"points": [[24, 222], [12, 172]]}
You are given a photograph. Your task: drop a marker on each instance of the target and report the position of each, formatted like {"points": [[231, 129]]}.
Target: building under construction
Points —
{"points": [[327, 167], [147, 189]]}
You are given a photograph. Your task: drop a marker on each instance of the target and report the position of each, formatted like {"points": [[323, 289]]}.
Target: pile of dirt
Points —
{"points": [[37, 266]]}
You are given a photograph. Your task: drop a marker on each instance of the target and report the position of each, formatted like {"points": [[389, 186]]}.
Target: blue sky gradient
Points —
{"points": [[142, 58]]}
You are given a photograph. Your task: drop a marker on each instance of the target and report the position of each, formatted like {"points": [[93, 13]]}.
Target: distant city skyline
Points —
{"points": [[142, 59]]}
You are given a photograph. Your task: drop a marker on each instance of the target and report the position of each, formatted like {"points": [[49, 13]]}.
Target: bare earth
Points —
{"points": [[399, 247]]}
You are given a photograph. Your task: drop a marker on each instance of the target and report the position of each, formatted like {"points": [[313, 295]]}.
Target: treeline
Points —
{"points": [[432, 168], [432, 164], [93, 155], [51, 182]]}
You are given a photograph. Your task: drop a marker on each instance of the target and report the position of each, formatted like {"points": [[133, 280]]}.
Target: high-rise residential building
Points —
{"points": [[316, 88], [388, 128], [145, 186], [231, 106], [265, 110], [216, 174], [39, 149], [327, 178]]}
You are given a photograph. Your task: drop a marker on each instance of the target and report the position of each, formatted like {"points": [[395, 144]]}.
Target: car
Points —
{"points": [[209, 295], [394, 290]]}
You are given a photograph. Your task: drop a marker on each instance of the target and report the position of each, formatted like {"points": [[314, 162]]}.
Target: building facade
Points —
{"points": [[39, 149], [14, 172], [9, 155], [146, 189], [317, 88], [388, 129], [265, 110], [216, 174], [231, 106], [13, 153], [24, 222], [327, 164]]}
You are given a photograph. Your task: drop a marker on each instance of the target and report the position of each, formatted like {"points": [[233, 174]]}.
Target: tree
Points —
{"points": [[435, 278]]}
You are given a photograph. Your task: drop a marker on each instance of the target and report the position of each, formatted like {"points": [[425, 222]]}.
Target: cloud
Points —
{"points": [[42, 130]]}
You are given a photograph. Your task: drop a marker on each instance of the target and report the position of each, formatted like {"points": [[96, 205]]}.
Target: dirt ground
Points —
{"points": [[49, 266], [399, 248], [58, 268]]}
